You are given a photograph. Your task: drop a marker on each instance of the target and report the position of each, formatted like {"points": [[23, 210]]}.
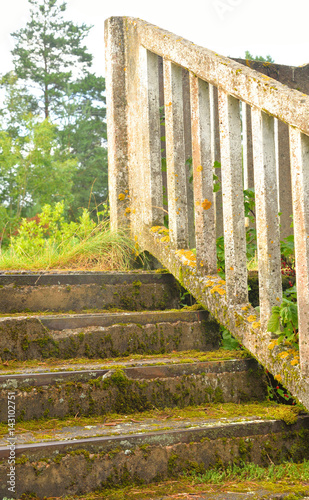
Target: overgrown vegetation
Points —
{"points": [[49, 241], [288, 477], [52, 121]]}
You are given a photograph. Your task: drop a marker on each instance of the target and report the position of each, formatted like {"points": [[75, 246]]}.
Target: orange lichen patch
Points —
{"points": [[295, 361], [199, 168], [127, 210], [256, 324], [283, 355], [202, 263], [165, 239], [278, 377], [251, 318], [121, 196], [210, 283], [187, 257], [217, 289], [163, 230], [206, 204], [245, 308], [272, 344], [222, 282], [154, 229]]}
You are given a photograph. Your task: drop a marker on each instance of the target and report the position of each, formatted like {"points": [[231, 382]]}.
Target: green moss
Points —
{"points": [[172, 465]]}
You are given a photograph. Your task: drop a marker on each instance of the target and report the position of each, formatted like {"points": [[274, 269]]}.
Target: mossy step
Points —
{"points": [[77, 291], [74, 364], [156, 446], [142, 387], [106, 335]]}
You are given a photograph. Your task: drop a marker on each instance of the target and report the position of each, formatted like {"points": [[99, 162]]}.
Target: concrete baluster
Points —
{"points": [[117, 118], [215, 146], [175, 155], [299, 147], [267, 219], [151, 141], [202, 156], [233, 199]]}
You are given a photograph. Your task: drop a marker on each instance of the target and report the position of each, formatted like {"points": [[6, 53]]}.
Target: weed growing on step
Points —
{"points": [[287, 477]]}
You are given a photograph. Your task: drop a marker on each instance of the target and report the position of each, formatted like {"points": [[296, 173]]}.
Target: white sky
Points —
{"points": [[229, 27]]}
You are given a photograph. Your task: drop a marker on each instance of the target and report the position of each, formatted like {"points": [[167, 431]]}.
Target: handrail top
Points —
{"points": [[256, 89]]}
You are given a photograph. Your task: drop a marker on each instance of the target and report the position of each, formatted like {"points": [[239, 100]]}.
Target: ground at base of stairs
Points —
{"points": [[184, 489]]}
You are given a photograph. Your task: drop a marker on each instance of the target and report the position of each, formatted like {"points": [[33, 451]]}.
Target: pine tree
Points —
{"points": [[48, 49], [50, 57]]}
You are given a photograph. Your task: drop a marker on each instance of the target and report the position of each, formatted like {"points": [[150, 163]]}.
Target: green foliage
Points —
{"points": [[32, 171], [50, 57], [284, 319], [229, 342], [249, 56], [48, 49], [82, 133], [49, 241], [216, 183]]}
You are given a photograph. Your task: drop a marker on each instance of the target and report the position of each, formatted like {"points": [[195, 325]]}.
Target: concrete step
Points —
{"points": [[76, 291], [106, 335], [57, 459], [95, 391]]}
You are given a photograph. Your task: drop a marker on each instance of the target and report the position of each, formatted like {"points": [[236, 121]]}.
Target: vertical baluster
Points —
{"points": [[175, 155], [151, 143], [215, 146], [188, 153], [299, 147], [202, 155], [117, 121], [267, 220], [247, 153], [247, 147], [284, 178], [233, 200]]}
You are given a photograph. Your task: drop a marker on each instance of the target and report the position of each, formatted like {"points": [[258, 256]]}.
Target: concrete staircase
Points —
{"points": [[114, 384]]}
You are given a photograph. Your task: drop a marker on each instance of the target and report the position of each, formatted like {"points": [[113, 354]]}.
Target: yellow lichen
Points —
{"points": [[256, 324], [121, 196], [199, 168], [217, 289], [283, 355], [278, 377], [273, 344], [165, 238], [251, 318]]}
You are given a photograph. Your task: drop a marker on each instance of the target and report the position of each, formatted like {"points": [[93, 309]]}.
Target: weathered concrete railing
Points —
{"points": [[194, 80]]}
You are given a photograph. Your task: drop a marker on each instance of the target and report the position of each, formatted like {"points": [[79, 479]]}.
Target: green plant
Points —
{"points": [[49, 241], [284, 319], [229, 342]]}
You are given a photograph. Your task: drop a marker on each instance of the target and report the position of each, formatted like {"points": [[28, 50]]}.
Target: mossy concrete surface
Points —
{"points": [[83, 465], [77, 291], [98, 392], [107, 335], [242, 320]]}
